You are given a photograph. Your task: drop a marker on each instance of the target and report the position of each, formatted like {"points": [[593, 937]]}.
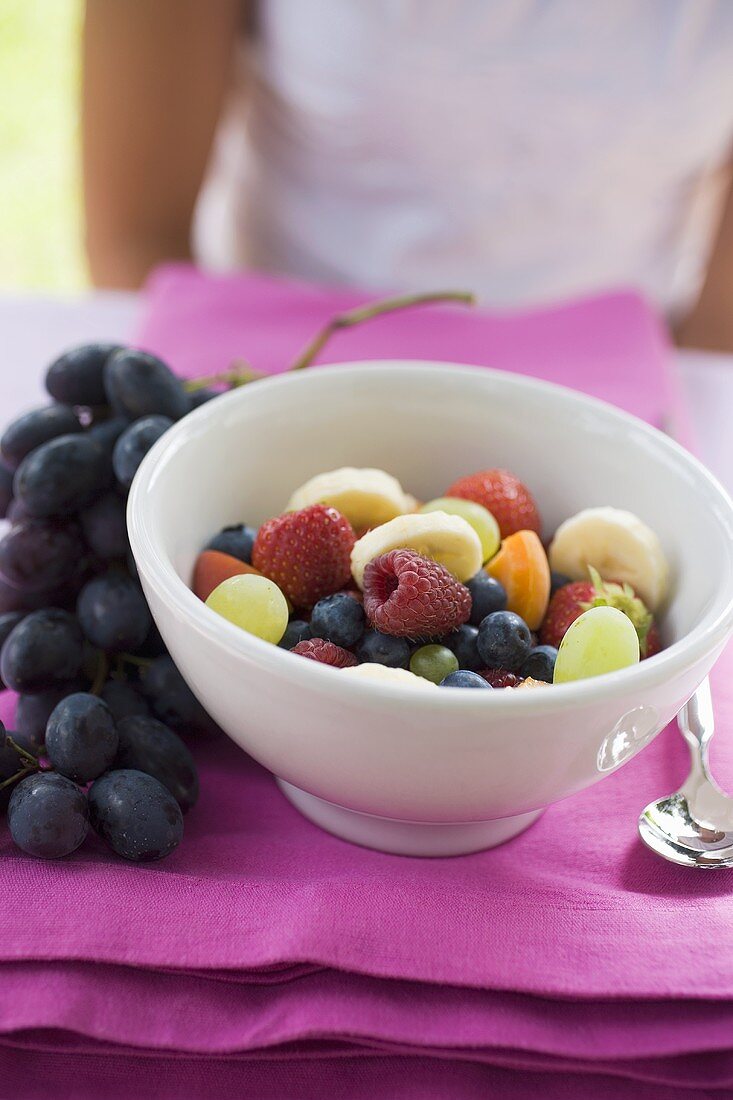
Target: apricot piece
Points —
{"points": [[522, 567], [212, 567]]}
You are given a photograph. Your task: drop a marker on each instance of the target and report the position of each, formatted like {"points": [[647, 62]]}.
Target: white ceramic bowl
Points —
{"points": [[450, 771]]}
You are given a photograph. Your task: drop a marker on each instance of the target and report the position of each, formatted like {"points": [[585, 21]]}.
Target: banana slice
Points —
{"points": [[366, 497], [370, 671], [449, 540], [619, 545]]}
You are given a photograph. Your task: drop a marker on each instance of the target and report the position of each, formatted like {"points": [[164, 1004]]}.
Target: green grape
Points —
{"points": [[480, 519], [433, 662], [254, 603], [601, 640]]}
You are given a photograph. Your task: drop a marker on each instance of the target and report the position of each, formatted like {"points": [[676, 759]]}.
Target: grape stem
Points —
{"points": [[17, 777], [101, 674], [375, 309], [31, 760], [240, 374], [131, 659]]}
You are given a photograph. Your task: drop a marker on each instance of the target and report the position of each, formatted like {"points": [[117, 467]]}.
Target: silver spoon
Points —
{"points": [[693, 827]]}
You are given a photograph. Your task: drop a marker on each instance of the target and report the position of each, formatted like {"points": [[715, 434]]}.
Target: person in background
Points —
{"points": [[526, 149]]}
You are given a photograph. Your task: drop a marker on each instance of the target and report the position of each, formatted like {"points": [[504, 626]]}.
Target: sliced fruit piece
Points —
{"points": [[479, 517], [449, 540], [522, 568], [389, 675], [528, 682], [616, 543], [367, 497], [602, 640], [212, 567]]}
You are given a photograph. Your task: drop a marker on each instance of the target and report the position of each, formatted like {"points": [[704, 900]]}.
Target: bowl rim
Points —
{"points": [[712, 630]]}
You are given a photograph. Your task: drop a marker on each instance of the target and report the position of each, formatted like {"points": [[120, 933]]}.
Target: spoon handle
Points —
{"points": [[697, 725]]}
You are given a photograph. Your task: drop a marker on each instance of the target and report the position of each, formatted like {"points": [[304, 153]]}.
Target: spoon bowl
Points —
{"points": [[693, 827]]}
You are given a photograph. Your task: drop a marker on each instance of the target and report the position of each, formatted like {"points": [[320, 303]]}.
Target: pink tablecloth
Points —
{"points": [[270, 959]]}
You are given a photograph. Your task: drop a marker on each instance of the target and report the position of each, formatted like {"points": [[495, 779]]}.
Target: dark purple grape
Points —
{"points": [[237, 541], [17, 511], [107, 432], [113, 613], [44, 650], [171, 698], [81, 737], [138, 384], [33, 711], [131, 564], [124, 701], [34, 428], [36, 554], [48, 815], [10, 765], [105, 527], [150, 747], [135, 814], [62, 476], [153, 646], [134, 443], [6, 490], [200, 397], [8, 620], [77, 376]]}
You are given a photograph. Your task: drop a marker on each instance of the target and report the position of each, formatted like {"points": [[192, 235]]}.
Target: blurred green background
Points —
{"points": [[40, 185]]}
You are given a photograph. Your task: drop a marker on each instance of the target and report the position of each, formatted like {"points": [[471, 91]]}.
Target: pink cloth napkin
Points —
{"points": [[265, 952]]}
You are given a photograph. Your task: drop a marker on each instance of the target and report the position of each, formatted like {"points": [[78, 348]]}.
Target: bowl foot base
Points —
{"points": [[406, 838]]}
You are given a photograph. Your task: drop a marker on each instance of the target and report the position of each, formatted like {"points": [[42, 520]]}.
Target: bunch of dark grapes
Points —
{"points": [[100, 703]]}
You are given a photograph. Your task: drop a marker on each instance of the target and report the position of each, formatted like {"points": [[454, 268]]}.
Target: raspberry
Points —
{"points": [[506, 497], [326, 653], [500, 677], [306, 553], [409, 596]]}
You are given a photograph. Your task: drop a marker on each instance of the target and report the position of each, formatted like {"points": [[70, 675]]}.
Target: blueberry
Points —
{"points": [[237, 541], [540, 664], [557, 580], [296, 631], [338, 619], [504, 641], [464, 679], [463, 644], [487, 595], [382, 649]]}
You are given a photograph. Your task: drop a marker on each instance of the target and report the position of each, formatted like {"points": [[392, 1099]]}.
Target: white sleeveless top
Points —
{"points": [[525, 149]]}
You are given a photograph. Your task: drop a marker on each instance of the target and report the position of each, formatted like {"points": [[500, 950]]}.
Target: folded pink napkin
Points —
{"points": [[286, 952]]}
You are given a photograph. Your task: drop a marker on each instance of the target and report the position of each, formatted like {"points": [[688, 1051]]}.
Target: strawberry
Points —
{"points": [[306, 553], [505, 496], [570, 601]]}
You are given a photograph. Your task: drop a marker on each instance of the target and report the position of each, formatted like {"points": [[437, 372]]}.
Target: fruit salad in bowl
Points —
{"points": [[432, 599], [458, 592]]}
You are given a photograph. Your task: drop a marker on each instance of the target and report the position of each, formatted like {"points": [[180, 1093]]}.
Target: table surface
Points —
{"points": [[36, 328]]}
